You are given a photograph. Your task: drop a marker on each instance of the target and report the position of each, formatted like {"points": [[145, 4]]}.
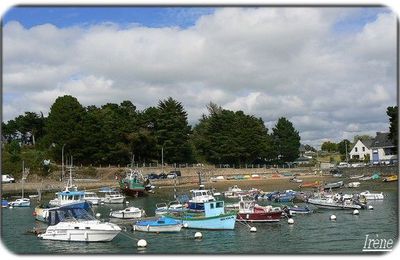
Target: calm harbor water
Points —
{"points": [[313, 233]]}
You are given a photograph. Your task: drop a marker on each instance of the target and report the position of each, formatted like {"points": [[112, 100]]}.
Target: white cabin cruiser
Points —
{"points": [[112, 196], [73, 223], [128, 213], [92, 197]]}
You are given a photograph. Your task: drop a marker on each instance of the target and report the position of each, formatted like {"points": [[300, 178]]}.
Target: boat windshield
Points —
{"points": [[73, 214]]}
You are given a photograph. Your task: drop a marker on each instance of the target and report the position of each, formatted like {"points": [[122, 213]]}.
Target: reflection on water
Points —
{"points": [[313, 233]]}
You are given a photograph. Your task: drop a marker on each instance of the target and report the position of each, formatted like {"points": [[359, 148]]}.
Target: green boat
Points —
{"points": [[133, 184]]}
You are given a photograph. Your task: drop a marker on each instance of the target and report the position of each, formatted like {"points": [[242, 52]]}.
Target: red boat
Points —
{"points": [[249, 211], [315, 184]]}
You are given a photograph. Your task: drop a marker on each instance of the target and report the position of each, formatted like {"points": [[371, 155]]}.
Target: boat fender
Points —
{"points": [[148, 227], [247, 216]]}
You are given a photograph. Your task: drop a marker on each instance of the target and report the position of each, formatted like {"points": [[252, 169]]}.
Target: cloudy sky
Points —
{"points": [[331, 71]]}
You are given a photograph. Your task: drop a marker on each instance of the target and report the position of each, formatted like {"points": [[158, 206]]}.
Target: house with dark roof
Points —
{"points": [[383, 151], [361, 149]]}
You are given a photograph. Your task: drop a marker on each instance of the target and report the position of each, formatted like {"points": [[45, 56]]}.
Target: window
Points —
{"points": [[363, 149], [355, 149], [211, 205], [220, 204]]}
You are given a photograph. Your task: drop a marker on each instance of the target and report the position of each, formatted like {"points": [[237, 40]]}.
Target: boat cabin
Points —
{"points": [[202, 196], [214, 208], [66, 196]]}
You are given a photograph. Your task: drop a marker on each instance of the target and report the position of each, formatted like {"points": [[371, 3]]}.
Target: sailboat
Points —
{"points": [[22, 202]]}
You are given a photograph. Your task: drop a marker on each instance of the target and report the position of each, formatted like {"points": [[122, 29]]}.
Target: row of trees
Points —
{"points": [[118, 133]]}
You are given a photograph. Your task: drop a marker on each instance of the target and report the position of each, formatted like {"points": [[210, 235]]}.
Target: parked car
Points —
{"points": [[7, 178], [177, 173], [171, 176], [152, 176], [162, 176], [343, 165]]}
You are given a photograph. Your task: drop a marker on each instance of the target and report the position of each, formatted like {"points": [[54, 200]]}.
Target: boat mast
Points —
{"points": [[23, 176]]}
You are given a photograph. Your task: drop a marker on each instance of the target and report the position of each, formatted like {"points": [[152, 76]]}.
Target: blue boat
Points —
{"points": [[159, 225], [214, 217], [296, 210], [4, 203], [287, 196]]}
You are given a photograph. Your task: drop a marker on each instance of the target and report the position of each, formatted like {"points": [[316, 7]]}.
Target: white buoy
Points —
{"points": [[98, 215], [142, 243], [198, 235], [370, 207], [253, 229], [356, 212], [333, 217], [185, 225], [10, 207], [290, 221]]}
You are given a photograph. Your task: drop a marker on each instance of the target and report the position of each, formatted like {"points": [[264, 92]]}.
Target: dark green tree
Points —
{"points": [[64, 127], [343, 145], [329, 146], [286, 141], [393, 113], [172, 132]]}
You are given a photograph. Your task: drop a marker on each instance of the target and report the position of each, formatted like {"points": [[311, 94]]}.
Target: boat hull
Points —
{"points": [[133, 192], [158, 229], [126, 215], [324, 205], [80, 232], [259, 217], [113, 200], [225, 221]]}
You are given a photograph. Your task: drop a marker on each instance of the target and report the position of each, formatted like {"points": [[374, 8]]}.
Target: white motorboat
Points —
{"points": [[366, 178], [112, 196], [199, 197], [233, 192], [24, 202], [357, 176], [172, 207], [128, 213], [91, 197], [354, 184], [73, 223], [330, 203], [372, 196]]}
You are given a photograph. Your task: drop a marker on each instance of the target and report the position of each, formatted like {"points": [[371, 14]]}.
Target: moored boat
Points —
{"points": [[372, 196], [333, 185], [91, 197], [357, 176], [133, 184], [390, 178], [171, 207], [332, 203], [249, 211], [214, 217], [354, 184], [112, 196], [159, 225], [199, 197], [4, 203], [23, 202], [128, 213], [73, 223], [314, 184], [296, 210]]}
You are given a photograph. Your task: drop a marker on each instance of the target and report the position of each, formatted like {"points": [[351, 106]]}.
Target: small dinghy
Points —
{"points": [[354, 184], [158, 225], [296, 210], [131, 212]]}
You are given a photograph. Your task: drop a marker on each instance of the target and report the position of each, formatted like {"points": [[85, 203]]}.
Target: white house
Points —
{"points": [[361, 149], [383, 150]]}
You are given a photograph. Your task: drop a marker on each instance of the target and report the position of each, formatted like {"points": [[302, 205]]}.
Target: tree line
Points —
{"points": [[119, 133]]}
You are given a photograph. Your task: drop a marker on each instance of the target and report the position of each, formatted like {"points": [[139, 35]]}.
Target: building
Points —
{"points": [[361, 150], [383, 151]]}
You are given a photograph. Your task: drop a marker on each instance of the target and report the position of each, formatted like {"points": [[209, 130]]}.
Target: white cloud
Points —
{"points": [[270, 62]]}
